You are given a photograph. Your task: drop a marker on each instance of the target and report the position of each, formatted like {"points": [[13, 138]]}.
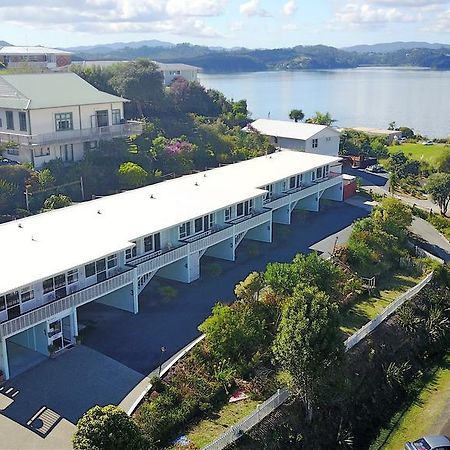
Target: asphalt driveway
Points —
{"points": [[135, 340]]}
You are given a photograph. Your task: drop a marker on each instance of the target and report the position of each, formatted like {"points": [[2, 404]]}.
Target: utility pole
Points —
{"points": [[27, 201]]}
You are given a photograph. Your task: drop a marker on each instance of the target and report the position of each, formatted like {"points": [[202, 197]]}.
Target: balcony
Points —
{"points": [[156, 260], [200, 241], [126, 129], [85, 295]]}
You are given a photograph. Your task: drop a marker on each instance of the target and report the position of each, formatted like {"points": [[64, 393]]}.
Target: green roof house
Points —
{"points": [[57, 115]]}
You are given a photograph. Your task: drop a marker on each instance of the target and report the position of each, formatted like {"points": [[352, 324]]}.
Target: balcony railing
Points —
{"points": [[154, 261], [87, 134], [42, 313]]}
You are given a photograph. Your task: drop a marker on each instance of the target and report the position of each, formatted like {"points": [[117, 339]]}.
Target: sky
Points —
{"points": [[224, 23]]}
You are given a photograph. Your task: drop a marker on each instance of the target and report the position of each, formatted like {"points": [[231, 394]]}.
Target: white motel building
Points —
{"points": [[107, 250]]}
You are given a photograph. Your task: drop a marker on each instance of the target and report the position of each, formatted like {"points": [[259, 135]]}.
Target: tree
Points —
{"points": [[57, 201], [321, 119], [107, 428], [438, 186], [443, 161], [132, 175], [296, 115], [393, 216], [140, 81], [308, 344], [249, 288], [7, 196], [236, 332], [45, 178]]}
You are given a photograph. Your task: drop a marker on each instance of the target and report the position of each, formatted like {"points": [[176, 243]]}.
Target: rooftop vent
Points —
{"points": [[196, 184], [152, 196], [99, 212]]}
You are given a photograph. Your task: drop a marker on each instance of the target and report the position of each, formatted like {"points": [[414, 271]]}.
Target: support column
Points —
{"points": [[4, 360], [135, 292], [74, 322]]}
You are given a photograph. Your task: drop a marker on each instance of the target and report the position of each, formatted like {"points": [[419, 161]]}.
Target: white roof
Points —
{"points": [[37, 50], [176, 66], [290, 129], [40, 246]]}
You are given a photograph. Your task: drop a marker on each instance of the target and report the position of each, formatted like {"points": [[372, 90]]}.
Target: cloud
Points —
{"points": [[290, 8], [252, 8], [237, 26], [110, 16], [377, 12]]}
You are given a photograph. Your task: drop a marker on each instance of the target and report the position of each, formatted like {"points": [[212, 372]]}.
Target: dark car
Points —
{"points": [[429, 443], [7, 162]]}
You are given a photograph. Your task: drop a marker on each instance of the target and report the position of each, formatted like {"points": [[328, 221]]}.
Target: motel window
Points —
{"points": [[313, 175], [319, 172], [112, 261], [292, 183], [327, 171], [315, 143], [41, 151], [116, 117], [12, 299], [64, 121], [130, 253], [244, 208], [198, 225], [60, 281], [26, 294], [228, 214], [1, 123], [48, 285], [184, 230], [2, 303], [89, 270], [152, 243], [269, 193], [9, 120], [22, 121], [240, 210], [72, 276]]}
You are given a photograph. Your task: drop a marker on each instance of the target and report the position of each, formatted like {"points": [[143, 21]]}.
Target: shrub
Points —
{"points": [[107, 428]]}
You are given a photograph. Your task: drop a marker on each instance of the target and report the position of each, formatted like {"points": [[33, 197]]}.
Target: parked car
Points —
{"points": [[428, 143], [7, 162], [376, 169], [429, 443]]}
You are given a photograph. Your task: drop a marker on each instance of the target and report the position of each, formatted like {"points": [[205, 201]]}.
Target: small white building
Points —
{"points": [[108, 250], [171, 71], [35, 57], [57, 115], [299, 136]]}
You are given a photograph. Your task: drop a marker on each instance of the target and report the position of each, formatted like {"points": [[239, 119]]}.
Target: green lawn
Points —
{"points": [[428, 414], [368, 308], [419, 152], [211, 428]]}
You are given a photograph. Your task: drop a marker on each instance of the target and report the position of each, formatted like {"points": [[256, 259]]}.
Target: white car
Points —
{"points": [[429, 443]]}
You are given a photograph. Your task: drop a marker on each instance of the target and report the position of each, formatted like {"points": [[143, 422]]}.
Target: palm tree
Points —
{"points": [[296, 115]]}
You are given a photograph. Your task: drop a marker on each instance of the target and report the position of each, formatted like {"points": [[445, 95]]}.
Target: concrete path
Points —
{"points": [[431, 239], [50, 398]]}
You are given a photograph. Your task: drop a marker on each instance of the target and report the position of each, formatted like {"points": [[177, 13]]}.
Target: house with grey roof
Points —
{"points": [[57, 115]]}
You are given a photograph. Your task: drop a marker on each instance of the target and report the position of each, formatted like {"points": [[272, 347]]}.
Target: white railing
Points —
{"points": [[387, 312], [253, 222], [96, 133], [262, 411], [86, 295], [147, 264], [211, 239], [298, 194]]}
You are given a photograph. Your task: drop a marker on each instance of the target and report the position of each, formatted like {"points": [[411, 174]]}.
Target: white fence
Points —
{"points": [[370, 326], [235, 432]]}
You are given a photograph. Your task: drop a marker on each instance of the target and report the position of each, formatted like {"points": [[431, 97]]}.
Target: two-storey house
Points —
{"points": [[306, 137], [57, 115], [108, 250]]}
